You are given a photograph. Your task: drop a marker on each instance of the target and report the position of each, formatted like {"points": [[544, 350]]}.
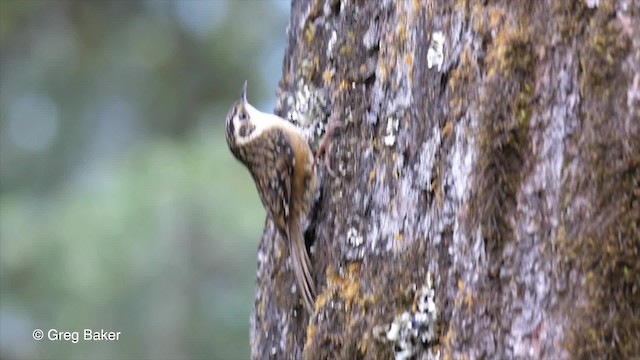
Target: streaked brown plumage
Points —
{"points": [[281, 164]]}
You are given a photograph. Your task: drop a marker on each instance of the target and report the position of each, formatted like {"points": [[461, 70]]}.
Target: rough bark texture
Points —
{"points": [[508, 177]]}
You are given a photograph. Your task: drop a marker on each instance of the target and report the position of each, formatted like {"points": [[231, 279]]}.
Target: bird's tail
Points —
{"points": [[301, 265]]}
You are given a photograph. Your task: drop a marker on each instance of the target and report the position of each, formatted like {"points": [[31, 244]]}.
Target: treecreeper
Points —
{"points": [[282, 166]]}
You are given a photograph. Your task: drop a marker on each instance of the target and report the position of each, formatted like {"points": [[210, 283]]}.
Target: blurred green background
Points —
{"points": [[121, 207]]}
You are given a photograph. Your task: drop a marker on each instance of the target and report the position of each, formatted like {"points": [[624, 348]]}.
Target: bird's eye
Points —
{"points": [[242, 116]]}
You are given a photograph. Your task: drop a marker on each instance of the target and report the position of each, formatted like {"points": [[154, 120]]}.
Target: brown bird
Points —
{"points": [[281, 164]]}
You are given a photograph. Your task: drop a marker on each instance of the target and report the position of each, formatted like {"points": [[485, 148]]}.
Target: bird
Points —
{"points": [[282, 165]]}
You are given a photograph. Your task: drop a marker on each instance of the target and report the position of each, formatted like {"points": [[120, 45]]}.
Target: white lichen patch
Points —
{"points": [[371, 38], [427, 315], [332, 42], [413, 332], [307, 107], [354, 238], [392, 129], [463, 159], [592, 3], [348, 117], [435, 54], [427, 159], [303, 96]]}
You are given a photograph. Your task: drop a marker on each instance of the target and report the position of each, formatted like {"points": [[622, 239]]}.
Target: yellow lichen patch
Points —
{"points": [[332, 278], [350, 292], [321, 300], [372, 176], [448, 127], [311, 329], [345, 50], [496, 16], [510, 52], [399, 238], [417, 5], [401, 30], [346, 287], [344, 85], [478, 18], [445, 341], [408, 60], [327, 75], [309, 33]]}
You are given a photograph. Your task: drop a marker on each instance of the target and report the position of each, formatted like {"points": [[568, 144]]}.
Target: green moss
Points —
{"points": [[569, 24], [511, 53], [607, 251], [503, 136], [309, 33], [605, 247], [602, 51]]}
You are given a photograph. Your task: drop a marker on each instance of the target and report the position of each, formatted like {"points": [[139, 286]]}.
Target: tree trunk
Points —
{"points": [[486, 198]]}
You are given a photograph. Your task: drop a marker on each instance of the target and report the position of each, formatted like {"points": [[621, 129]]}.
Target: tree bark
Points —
{"points": [[486, 198]]}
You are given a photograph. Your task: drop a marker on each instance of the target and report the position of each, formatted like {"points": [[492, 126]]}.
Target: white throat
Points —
{"points": [[261, 121]]}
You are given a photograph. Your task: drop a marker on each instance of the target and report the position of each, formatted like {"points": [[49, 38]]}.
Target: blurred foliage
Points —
{"points": [[121, 207]]}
